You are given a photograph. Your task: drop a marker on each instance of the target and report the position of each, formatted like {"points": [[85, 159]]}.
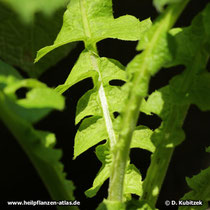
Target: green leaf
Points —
{"points": [[208, 149], [92, 22], [192, 37], [199, 93], [171, 103], [90, 132], [47, 161], [89, 104], [172, 111], [200, 189], [27, 9], [103, 154], [133, 181], [111, 205], [8, 75], [23, 83], [159, 56], [191, 87], [38, 145], [39, 101], [94, 129], [163, 136], [81, 70], [200, 181], [161, 102], [157, 44], [20, 42], [206, 19], [156, 102], [142, 139], [85, 68], [48, 139], [159, 4], [42, 98], [101, 101]]}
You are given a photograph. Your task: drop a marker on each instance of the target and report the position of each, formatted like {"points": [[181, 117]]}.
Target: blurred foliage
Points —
{"points": [[20, 40], [27, 9]]}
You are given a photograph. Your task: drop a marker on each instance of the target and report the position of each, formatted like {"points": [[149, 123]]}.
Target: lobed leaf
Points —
{"points": [[142, 139], [133, 181], [200, 90], [103, 154], [160, 55], [158, 45], [93, 129], [39, 101], [89, 103], [92, 22], [191, 87], [132, 184], [38, 145], [171, 103], [90, 132], [85, 68], [200, 189]]}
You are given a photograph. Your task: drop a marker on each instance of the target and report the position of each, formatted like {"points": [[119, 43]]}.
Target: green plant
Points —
{"points": [[161, 45]]}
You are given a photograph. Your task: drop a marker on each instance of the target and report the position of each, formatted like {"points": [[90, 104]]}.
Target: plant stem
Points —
{"points": [[130, 114], [27, 138]]}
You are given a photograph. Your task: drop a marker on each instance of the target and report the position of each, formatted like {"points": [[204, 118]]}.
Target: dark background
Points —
{"points": [[19, 180]]}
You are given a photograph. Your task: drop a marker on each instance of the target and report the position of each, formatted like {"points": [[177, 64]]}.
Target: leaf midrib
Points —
{"points": [[94, 61], [104, 104], [84, 18]]}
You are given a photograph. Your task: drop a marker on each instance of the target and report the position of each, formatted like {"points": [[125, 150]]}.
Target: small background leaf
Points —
{"points": [[39, 101], [18, 114], [200, 189]]}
